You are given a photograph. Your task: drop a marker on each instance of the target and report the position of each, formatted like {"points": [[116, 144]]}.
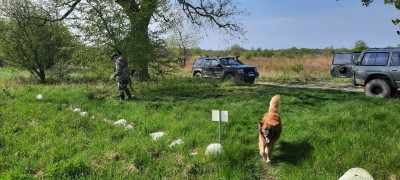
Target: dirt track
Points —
{"points": [[329, 86]]}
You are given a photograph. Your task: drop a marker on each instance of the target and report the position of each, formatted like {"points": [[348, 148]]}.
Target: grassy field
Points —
{"points": [[325, 133]]}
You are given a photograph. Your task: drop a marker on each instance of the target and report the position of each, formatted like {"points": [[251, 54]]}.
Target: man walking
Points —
{"points": [[122, 75]]}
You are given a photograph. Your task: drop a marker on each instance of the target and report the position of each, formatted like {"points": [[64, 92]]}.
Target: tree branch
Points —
{"points": [[66, 14], [133, 6], [98, 11], [213, 12]]}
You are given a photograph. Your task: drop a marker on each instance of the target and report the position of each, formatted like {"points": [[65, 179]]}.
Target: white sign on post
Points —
{"points": [[219, 116], [216, 116]]}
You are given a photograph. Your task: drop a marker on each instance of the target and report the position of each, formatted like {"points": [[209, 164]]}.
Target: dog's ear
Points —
{"points": [[260, 123]]}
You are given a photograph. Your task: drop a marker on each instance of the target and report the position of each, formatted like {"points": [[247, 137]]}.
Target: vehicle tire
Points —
{"points": [[394, 93], [251, 80], [198, 75], [378, 88]]}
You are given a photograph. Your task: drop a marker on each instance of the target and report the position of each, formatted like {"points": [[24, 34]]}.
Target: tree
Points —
{"points": [[125, 24], [236, 50], [393, 2], [183, 39], [236, 47], [267, 53], [360, 45], [396, 3], [29, 44]]}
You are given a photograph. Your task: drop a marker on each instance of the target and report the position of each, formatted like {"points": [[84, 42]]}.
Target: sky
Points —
{"points": [[282, 24]]}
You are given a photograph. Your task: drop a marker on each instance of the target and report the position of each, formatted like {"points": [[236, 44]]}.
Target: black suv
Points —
{"points": [[223, 67]]}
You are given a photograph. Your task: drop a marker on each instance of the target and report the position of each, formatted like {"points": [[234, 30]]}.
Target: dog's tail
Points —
{"points": [[274, 104]]}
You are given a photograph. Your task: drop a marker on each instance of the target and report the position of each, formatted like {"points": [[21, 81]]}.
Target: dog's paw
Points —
{"points": [[268, 161], [264, 158]]}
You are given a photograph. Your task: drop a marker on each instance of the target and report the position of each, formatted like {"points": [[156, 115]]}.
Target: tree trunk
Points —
{"points": [[39, 75], [42, 76], [184, 56], [139, 43], [140, 48]]}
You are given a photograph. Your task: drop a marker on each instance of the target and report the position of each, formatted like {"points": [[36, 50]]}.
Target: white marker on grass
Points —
{"points": [[219, 116], [39, 96]]}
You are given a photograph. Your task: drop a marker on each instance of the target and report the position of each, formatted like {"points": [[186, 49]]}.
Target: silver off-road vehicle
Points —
{"points": [[378, 70]]}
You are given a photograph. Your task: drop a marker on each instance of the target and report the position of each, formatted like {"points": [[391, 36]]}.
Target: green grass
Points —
{"points": [[325, 133], [6, 73]]}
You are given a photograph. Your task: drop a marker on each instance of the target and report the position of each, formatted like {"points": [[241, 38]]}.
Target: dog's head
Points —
{"points": [[268, 127]]}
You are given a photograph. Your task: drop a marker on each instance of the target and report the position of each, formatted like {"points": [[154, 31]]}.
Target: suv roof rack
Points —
{"points": [[383, 49]]}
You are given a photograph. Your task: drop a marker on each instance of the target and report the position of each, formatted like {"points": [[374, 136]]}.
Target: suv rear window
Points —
{"points": [[214, 63], [198, 62], [396, 58], [207, 63], [375, 59], [342, 58]]}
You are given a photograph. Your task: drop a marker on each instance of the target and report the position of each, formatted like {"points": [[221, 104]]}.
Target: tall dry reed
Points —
{"points": [[316, 66], [308, 66]]}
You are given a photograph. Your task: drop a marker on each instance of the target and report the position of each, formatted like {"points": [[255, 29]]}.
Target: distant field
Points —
{"points": [[299, 69], [325, 133], [317, 67]]}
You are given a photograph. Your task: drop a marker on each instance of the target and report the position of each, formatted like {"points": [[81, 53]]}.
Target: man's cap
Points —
{"points": [[112, 56]]}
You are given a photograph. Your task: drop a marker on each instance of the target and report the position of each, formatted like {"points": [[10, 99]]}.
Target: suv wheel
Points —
{"points": [[198, 75], [394, 93], [251, 80], [378, 88]]}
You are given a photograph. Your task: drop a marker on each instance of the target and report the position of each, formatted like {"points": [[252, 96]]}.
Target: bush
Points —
{"points": [[248, 55], [236, 52], [297, 68], [360, 45], [267, 53]]}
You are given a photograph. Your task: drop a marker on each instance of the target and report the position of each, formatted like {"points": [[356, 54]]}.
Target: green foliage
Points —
{"points": [[248, 55], [236, 47], [28, 44], [393, 2], [6, 73], [360, 45], [297, 68], [72, 168], [182, 39], [267, 53], [17, 174], [124, 26], [93, 62], [236, 52], [396, 4]]}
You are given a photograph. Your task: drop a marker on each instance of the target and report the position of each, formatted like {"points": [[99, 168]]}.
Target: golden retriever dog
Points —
{"points": [[270, 129]]}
